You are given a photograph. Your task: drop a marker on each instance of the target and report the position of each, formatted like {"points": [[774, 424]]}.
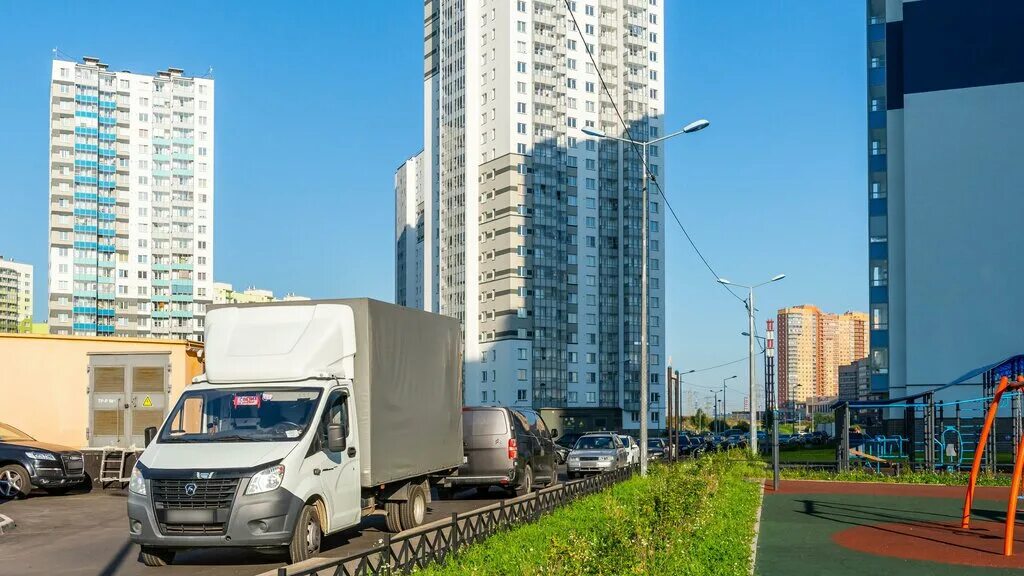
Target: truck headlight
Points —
{"points": [[137, 484], [41, 456], [266, 480]]}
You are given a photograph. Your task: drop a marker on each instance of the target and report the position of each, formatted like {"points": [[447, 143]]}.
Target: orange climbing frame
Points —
{"points": [[1018, 467]]}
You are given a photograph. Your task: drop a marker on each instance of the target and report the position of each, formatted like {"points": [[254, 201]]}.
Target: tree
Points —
{"points": [[699, 420]]}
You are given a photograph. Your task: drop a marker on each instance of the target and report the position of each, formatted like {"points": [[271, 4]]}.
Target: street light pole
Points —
{"points": [[724, 380], [644, 351], [750, 340]]}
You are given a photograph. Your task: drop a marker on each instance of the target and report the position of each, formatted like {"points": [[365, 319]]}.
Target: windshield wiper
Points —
{"points": [[233, 438]]}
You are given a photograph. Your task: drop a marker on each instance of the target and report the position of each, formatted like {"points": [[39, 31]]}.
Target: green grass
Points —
{"points": [[823, 454], [910, 477], [692, 518]]}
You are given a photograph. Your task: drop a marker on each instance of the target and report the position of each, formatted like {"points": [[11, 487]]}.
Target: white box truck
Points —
{"points": [[309, 415]]}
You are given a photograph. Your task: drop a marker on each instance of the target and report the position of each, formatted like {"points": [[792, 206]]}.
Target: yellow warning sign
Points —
{"points": [[148, 403]]}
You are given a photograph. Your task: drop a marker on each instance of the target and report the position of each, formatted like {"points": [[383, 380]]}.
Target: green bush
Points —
{"points": [[692, 518]]}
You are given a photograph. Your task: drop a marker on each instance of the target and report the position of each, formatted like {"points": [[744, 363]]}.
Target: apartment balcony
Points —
{"points": [[636, 20], [638, 60]]}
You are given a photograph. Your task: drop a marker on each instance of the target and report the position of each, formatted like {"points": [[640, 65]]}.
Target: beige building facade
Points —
{"points": [[92, 391], [812, 345]]}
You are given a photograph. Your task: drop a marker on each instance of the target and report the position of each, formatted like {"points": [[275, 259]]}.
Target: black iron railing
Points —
{"points": [[420, 547]]}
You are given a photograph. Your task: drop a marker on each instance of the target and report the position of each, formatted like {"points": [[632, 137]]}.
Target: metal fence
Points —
{"points": [[435, 542]]}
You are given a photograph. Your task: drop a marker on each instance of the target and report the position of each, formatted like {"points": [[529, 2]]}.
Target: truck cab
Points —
{"points": [[280, 462]]}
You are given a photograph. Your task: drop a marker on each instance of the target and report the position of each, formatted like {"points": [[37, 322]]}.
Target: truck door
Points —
{"points": [[339, 471]]}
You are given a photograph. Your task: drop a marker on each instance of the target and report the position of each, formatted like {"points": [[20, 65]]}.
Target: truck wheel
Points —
{"points": [[306, 536], [526, 486], [14, 482], [414, 510], [392, 517], [155, 557]]}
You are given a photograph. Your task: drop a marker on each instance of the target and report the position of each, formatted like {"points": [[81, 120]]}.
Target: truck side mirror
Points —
{"points": [[149, 433], [336, 434], [554, 432]]}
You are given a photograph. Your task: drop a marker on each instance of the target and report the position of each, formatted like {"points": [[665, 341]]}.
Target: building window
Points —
{"points": [[521, 375], [591, 397], [521, 395]]}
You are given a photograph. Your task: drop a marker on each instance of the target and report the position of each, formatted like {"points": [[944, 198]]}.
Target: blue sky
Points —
{"points": [[318, 103]]}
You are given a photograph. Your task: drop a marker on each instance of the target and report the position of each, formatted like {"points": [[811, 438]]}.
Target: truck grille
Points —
{"points": [[193, 529], [208, 494], [588, 458], [74, 464]]}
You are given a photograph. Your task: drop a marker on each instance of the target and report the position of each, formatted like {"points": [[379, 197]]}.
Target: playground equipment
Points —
{"points": [[950, 449], [1018, 467]]}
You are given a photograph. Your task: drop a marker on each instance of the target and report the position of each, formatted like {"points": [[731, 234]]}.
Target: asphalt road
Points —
{"points": [[87, 535]]}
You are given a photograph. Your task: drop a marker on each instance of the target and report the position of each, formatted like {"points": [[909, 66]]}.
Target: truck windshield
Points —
{"points": [[249, 415]]}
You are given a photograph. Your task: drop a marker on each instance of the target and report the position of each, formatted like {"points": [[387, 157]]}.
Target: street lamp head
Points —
{"points": [[723, 281], [779, 277], [695, 126], [744, 333], [689, 371], [594, 133]]}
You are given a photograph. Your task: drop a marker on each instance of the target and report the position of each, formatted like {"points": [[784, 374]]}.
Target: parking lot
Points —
{"points": [[86, 534]]}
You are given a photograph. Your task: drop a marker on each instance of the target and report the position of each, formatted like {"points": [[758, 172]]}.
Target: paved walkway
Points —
{"points": [[865, 528]]}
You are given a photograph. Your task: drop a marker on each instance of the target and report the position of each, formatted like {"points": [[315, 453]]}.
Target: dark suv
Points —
{"points": [[506, 447], [26, 463]]}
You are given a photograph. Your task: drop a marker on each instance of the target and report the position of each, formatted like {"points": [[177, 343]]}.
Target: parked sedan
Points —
{"points": [[656, 449], [29, 463], [597, 452], [632, 449]]}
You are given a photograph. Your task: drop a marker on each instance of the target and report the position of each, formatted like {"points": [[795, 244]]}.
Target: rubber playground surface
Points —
{"points": [[840, 528]]}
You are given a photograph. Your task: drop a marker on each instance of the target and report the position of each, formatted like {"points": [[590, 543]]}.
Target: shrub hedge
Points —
{"points": [[691, 518]]}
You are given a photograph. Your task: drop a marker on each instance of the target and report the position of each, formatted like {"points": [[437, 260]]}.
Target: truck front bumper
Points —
{"points": [[255, 520]]}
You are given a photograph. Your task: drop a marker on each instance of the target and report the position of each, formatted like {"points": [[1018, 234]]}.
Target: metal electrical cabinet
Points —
{"points": [[128, 392]]}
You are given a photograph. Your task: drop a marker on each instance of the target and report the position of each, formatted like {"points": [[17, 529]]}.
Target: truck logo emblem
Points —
{"points": [[190, 489], [204, 475]]}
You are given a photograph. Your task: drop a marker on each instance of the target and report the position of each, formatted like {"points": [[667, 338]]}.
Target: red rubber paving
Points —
{"points": [[981, 545]]}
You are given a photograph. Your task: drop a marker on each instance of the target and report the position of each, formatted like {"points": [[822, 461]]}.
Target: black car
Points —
{"points": [[691, 446], [656, 449], [506, 447], [28, 463]]}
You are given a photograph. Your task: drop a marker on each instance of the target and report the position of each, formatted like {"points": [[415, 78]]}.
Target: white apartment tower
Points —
{"points": [[15, 296], [131, 201], [537, 225]]}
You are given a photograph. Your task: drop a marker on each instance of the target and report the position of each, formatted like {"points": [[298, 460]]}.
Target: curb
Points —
{"points": [[757, 531], [6, 524]]}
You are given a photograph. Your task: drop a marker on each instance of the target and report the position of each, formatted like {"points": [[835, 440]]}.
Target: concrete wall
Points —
{"points": [[44, 380]]}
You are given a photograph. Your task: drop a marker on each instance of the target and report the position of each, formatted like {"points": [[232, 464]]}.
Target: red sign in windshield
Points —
{"points": [[246, 400]]}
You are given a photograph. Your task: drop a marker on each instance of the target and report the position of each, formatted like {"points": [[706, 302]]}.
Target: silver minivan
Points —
{"points": [[510, 448]]}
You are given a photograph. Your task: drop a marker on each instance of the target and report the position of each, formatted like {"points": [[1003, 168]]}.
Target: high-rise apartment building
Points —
{"points": [[15, 296], [537, 225], [131, 201], [855, 380], [945, 86], [812, 345], [415, 238]]}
